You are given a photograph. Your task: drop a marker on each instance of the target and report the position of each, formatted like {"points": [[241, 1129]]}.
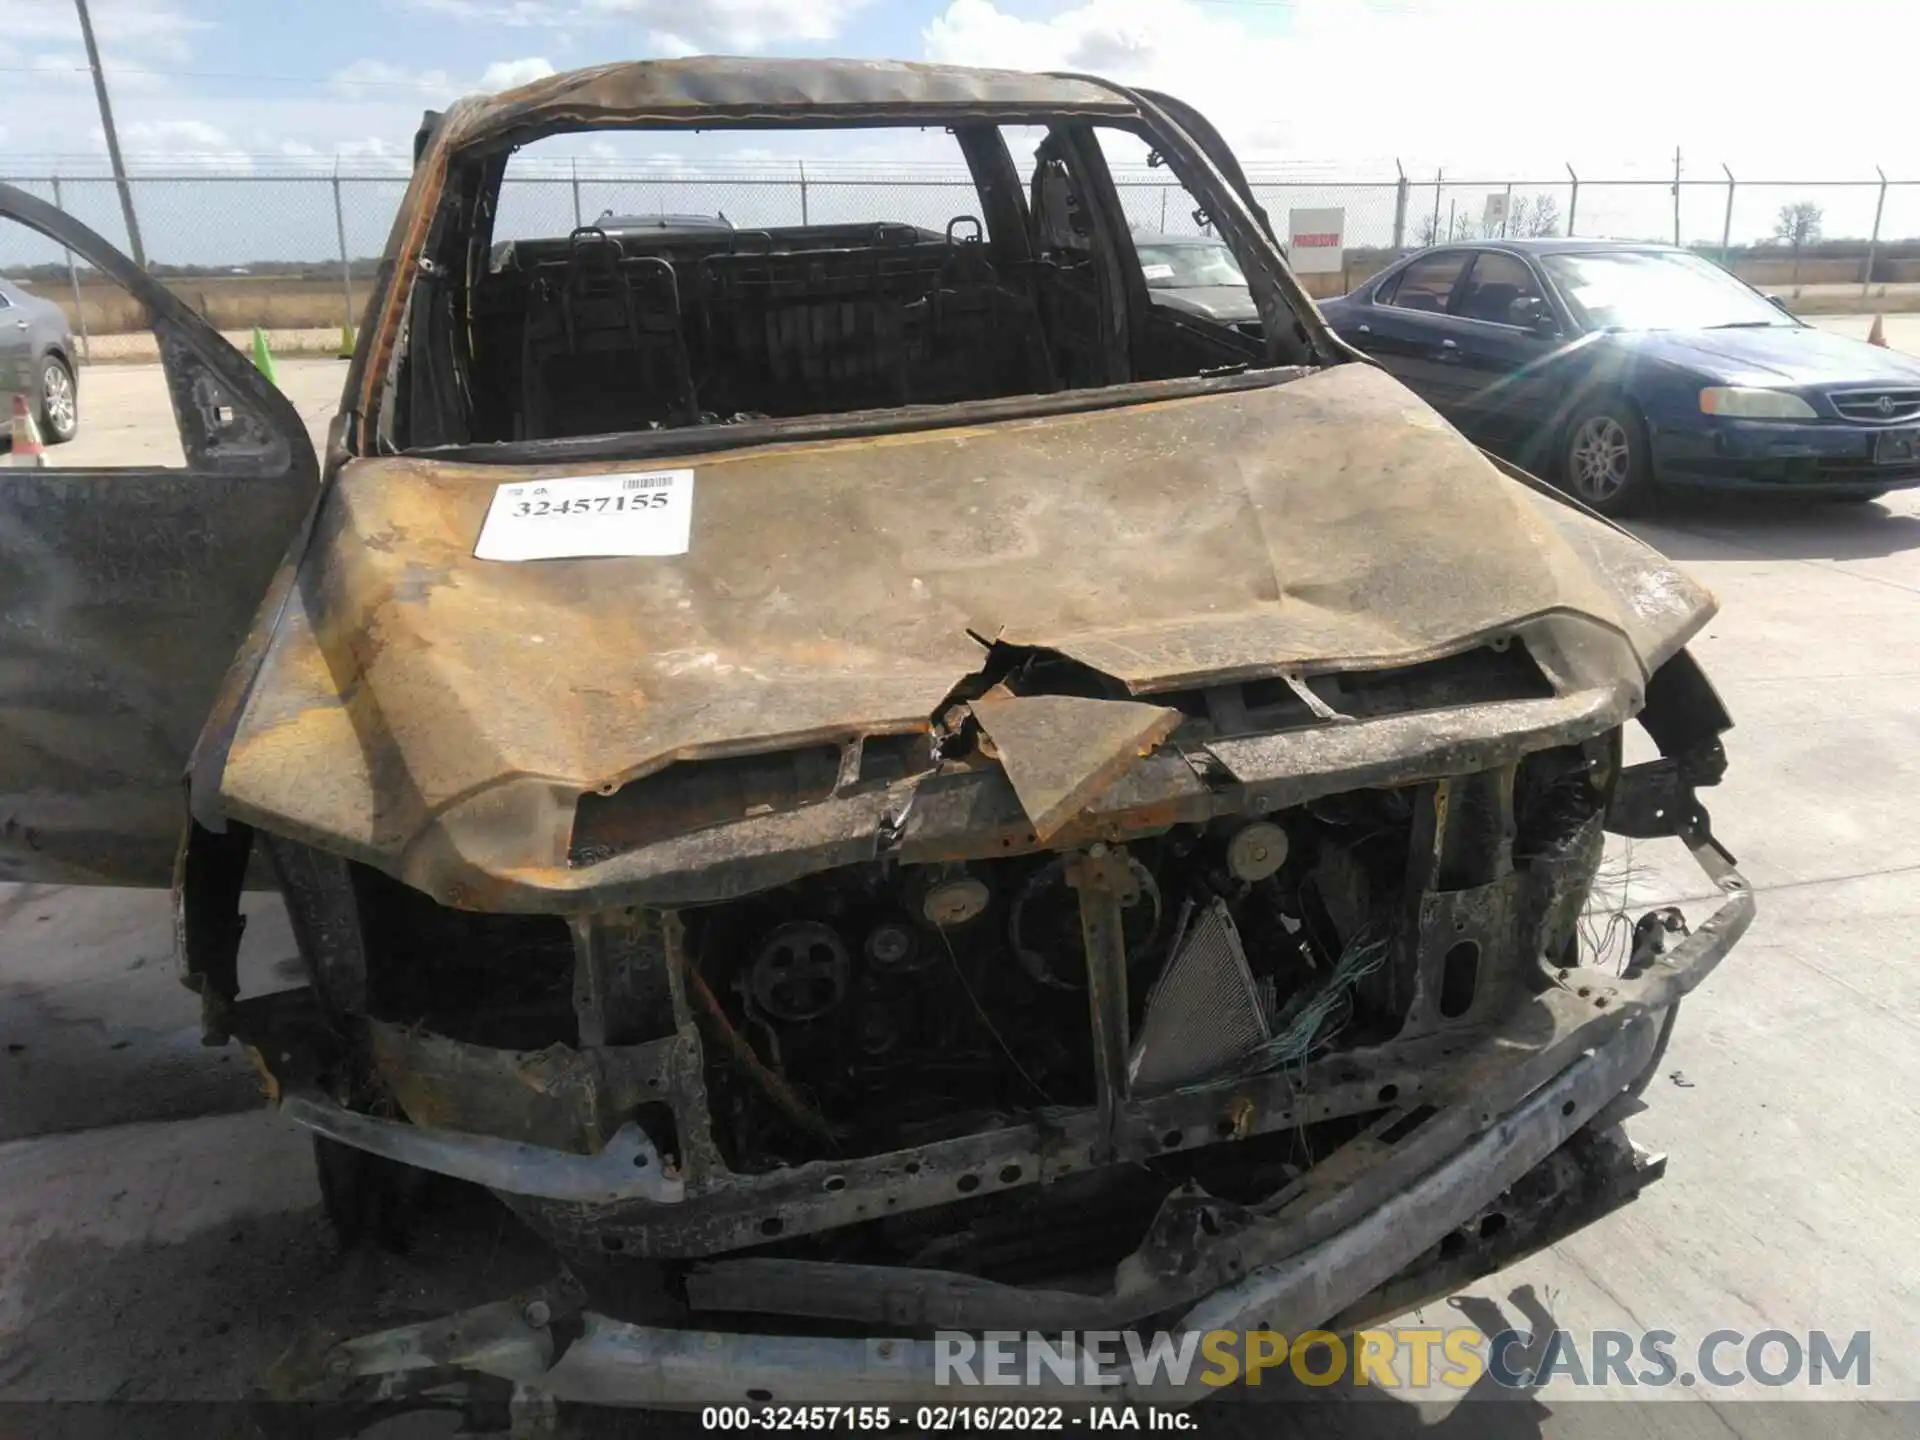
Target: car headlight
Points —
{"points": [[1744, 403]]}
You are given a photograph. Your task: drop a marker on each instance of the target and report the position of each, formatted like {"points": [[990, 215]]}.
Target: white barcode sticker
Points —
{"points": [[582, 516]]}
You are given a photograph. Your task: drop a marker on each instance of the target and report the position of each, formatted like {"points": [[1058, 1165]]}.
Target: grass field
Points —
{"points": [[230, 302]]}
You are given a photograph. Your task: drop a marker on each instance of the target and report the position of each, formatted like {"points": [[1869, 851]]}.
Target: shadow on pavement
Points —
{"points": [[1488, 1411], [1690, 527]]}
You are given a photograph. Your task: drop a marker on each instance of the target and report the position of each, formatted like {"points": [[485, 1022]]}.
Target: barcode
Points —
{"points": [[646, 482]]}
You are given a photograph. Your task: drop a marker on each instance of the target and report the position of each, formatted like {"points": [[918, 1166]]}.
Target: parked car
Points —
{"points": [[36, 360], [1197, 274], [621, 224], [1619, 368], [867, 781]]}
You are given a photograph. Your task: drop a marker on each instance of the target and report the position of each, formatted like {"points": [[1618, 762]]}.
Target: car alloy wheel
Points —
{"points": [[1600, 459], [58, 407]]}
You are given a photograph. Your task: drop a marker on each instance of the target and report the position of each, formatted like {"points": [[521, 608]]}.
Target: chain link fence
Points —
{"points": [[297, 252]]}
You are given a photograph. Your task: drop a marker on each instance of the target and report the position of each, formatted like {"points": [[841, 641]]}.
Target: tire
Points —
{"points": [[58, 401], [1604, 459], [366, 1197]]}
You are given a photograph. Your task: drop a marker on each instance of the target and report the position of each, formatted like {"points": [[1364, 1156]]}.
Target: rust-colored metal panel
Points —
{"points": [[435, 714], [1060, 751]]}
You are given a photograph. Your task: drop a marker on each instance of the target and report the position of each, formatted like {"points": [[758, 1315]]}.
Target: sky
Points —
{"points": [[1492, 84], [1301, 88]]}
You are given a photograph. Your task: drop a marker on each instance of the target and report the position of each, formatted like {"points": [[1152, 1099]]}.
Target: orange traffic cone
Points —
{"points": [[26, 435], [1878, 334]]}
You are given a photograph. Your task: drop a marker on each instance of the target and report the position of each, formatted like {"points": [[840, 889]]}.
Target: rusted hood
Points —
{"points": [[836, 588]]}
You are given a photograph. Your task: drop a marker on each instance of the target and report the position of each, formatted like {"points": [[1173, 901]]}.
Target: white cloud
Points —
{"points": [[181, 144], [370, 79], [732, 25], [674, 26], [670, 46], [122, 28], [508, 74]]}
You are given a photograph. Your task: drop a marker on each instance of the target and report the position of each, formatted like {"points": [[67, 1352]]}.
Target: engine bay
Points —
{"points": [[870, 1061]]}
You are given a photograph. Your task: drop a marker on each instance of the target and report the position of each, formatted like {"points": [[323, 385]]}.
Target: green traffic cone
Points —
{"points": [[263, 357]]}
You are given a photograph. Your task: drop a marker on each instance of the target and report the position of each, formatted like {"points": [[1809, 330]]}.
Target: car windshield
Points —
{"points": [[1183, 266], [1657, 290]]}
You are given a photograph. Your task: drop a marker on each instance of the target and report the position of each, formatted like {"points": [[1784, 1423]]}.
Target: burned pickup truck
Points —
{"points": [[870, 775]]}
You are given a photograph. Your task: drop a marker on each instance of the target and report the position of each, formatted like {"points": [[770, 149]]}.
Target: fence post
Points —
{"points": [[346, 267], [80, 311], [1163, 209], [1506, 213], [803, 192], [1438, 176], [1399, 210], [1573, 200], [1873, 243], [1726, 225], [576, 193], [1676, 195]]}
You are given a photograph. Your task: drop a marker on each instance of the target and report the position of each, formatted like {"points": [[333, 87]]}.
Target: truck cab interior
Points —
{"points": [[617, 327]]}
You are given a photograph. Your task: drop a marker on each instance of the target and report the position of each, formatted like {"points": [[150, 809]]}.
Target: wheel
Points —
{"points": [[59, 402], [1604, 461]]}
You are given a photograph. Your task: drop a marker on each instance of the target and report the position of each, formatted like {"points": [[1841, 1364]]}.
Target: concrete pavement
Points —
{"points": [[145, 1254], [126, 417], [1902, 331]]}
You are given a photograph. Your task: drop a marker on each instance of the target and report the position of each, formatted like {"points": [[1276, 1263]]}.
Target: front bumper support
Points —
{"points": [[573, 1354]]}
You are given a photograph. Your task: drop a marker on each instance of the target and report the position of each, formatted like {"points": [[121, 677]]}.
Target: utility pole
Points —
{"points": [[113, 138]]}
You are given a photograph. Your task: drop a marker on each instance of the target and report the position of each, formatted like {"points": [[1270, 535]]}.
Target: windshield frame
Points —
{"points": [[1553, 265], [455, 153]]}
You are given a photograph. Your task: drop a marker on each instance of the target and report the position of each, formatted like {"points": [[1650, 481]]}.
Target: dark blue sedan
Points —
{"points": [[1616, 368]]}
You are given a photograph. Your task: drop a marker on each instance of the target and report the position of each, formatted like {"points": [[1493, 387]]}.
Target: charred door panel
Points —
{"points": [[124, 596]]}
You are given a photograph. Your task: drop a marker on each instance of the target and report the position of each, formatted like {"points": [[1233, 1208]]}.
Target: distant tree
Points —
{"points": [[1535, 216], [1433, 229], [1797, 227], [1798, 224]]}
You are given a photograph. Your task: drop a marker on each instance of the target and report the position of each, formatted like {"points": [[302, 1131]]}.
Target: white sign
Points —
{"points": [[1317, 240], [1493, 220], [641, 512], [1157, 271]]}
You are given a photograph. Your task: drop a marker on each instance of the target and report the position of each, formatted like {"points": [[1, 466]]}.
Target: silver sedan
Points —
{"points": [[36, 360]]}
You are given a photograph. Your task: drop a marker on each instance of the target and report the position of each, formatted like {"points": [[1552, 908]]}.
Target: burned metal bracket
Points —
{"points": [[1102, 877], [1656, 799], [210, 871], [621, 993], [629, 1166]]}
